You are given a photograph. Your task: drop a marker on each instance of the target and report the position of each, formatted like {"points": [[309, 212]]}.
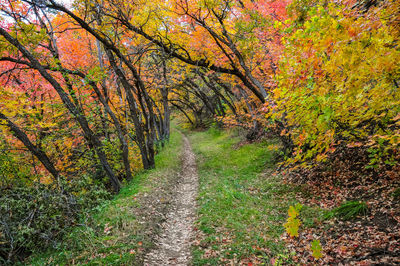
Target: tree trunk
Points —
{"points": [[164, 93], [140, 136], [41, 155], [74, 110]]}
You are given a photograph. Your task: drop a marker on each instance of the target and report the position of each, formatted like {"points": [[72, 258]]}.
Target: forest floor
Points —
{"points": [[242, 203], [353, 213], [216, 199], [123, 230]]}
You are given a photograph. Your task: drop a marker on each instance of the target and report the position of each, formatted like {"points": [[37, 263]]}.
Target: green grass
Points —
{"points": [[242, 206], [348, 210], [112, 234]]}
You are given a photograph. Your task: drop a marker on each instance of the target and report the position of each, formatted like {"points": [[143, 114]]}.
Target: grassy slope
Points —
{"points": [[242, 207], [115, 235]]}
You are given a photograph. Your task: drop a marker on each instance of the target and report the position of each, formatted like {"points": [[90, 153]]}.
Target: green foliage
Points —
{"points": [[36, 217], [396, 193], [112, 234], [338, 83], [311, 216], [11, 171], [348, 210], [316, 249], [293, 223]]}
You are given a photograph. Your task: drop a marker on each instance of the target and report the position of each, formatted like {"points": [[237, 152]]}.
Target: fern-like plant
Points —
{"points": [[348, 210]]}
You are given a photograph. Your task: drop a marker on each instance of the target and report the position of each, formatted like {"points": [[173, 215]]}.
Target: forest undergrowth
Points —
{"points": [[120, 231], [244, 199], [359, 222], [243, 205]]}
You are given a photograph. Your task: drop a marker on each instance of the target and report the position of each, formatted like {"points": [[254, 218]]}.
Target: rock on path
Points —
{"points": [[173, 247]]}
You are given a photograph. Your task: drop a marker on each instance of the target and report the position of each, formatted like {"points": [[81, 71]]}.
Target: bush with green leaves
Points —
{"points": [[36, 217]]}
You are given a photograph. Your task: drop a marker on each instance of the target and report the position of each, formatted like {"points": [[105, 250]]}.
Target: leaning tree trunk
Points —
{"points": [[73, 109], [134, 112], [167, 112], [36, 151]]}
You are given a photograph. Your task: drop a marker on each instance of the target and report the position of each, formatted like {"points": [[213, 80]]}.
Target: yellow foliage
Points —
{"points": [[339, 81]]}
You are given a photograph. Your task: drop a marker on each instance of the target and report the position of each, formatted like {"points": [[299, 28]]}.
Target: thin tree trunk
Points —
{"points": [[74, 110], [36, 151], [164, 94], [140, 137], [120, 132]]}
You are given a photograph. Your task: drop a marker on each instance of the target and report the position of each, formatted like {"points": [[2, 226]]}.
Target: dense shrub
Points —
{"points": [[36, 217], [338, 82]]}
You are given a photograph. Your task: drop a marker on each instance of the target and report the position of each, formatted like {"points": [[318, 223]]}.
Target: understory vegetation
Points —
{"points": [[38, 217], [244, 201], [241, 204], [119, 231]]}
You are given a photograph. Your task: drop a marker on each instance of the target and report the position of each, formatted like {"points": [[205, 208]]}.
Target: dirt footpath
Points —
{"points": [[173, 246]]}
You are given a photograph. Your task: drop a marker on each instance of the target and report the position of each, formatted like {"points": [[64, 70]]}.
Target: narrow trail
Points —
{"points": [[173, 247]]}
